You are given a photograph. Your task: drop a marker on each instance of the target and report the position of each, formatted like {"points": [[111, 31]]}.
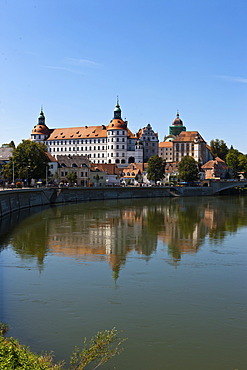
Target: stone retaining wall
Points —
{"points": [[17, 199]]}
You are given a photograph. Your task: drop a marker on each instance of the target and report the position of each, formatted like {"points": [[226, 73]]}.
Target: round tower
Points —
{"points": [[40, 132], [117, 138]]}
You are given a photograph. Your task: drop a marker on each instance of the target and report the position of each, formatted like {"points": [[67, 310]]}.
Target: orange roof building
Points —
{"points": [[112, 144], [190, 143]]}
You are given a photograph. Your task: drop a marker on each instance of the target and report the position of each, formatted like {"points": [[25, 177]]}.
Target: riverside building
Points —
{"points": [[112, 144]]}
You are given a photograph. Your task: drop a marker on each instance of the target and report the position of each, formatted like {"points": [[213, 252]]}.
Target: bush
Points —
{"points": [[101, 348]]}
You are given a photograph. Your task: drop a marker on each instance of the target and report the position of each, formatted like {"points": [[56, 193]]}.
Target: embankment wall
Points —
{"points": [[17, 199]]}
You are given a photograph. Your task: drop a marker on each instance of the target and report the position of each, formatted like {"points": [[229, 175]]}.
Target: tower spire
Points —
{"points": [[117, 110]]}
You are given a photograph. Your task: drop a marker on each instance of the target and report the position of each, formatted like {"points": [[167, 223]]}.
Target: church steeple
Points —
{"points": [[117, 111]]}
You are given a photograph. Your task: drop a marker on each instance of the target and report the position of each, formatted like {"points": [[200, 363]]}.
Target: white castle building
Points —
{"points": [[114, 143]]}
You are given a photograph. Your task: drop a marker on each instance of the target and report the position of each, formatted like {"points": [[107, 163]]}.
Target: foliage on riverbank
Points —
{"points": [[100, 349]]}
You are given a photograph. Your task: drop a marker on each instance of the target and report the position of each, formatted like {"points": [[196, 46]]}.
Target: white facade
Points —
{"points": [[113, 144]]}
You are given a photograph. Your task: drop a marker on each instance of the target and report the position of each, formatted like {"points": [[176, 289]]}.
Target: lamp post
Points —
{"points": [[46, 174], [27, 174], [13, 170]]}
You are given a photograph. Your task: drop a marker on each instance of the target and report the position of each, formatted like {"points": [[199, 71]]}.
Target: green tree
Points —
{"points": [[156, 168], [242, 158], [219, 148], [9, 145], [236, 161], [29, 160], [71, 177], [188, 169]]}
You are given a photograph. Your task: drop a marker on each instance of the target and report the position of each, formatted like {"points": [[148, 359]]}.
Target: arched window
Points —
{"points": [[122, 160], [74, 165], [131, 160], [117, 161]]}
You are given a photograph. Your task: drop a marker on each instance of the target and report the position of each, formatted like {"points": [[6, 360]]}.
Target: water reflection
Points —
{"points": [[110, 230]]}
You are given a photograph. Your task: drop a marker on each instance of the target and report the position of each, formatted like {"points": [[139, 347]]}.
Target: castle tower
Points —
{"points": [[177, 126], [40, 132], [117, 134]]}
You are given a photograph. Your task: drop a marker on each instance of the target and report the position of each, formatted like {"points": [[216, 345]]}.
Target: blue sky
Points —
{"points": [[74, 57]]}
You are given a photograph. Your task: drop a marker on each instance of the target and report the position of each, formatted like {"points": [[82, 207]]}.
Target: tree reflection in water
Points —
{"points": [[110, 230]]}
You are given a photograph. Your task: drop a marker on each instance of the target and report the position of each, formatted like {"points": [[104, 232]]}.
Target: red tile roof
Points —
{"points": [[166, 144], [78, 133], [188, 136]]}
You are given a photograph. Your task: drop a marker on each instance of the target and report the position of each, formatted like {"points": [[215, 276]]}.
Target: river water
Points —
{"points": [[170, 273]]}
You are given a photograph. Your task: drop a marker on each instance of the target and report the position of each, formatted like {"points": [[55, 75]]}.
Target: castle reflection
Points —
{"points": [[110, 230]]}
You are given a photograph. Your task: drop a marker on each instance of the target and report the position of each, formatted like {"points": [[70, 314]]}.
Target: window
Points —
{"points": [[117, 146], [123, 147], [117, 139], [111, 146], [98, 147], [82, 174], [117, 132], [123, 139]]}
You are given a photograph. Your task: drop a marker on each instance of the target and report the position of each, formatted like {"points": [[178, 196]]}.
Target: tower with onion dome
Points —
{"points": [[117, 135], [40, 131], [177, 126]]}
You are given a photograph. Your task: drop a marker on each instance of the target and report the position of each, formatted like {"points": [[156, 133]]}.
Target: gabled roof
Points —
{"points": [[50, 157], [214, 163], [171, 167], [188, 136], [78, 133], [109, 168], [69, 160]]}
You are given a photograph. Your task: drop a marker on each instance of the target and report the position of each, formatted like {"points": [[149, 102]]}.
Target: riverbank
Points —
{"points": [[18, 199]]}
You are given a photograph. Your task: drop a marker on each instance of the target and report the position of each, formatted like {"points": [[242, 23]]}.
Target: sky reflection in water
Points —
{"points": [[169, 272]]}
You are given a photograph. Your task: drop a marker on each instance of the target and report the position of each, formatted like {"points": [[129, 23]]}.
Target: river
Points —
{"points": [[170, 273]]}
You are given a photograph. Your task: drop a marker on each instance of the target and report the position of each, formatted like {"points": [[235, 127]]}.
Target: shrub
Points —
{"points": [[101, 348]]}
